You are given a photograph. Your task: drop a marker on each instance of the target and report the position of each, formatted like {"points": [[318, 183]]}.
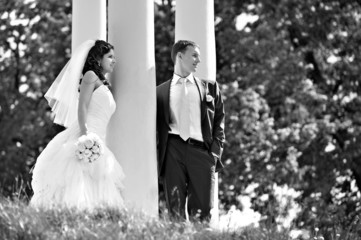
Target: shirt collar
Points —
{"points": [[177, 77]]}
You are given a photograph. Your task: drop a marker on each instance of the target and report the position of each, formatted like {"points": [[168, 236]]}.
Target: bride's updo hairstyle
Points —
{"points": [[94, 57]]}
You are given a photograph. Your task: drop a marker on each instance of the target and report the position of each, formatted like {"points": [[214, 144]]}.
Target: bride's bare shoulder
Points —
{"points": [[90, 77]]}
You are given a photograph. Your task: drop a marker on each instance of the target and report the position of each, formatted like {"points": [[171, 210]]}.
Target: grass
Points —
{"points": [[19, 221]]}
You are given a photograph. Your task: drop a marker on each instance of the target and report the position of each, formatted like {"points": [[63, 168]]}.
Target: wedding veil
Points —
{"points": [[63, 94]]}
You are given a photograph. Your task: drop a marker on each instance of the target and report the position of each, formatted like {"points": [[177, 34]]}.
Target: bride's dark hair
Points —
{"points": [[94, 57]]}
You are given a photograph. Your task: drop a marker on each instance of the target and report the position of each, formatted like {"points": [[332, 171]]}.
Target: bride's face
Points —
{"points": [[108, 61]]}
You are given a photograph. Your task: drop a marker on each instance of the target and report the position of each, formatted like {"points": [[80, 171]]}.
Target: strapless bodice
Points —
{"points": [[101, 108]]}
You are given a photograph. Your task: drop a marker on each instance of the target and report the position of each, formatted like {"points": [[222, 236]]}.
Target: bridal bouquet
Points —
{"points": [[89, 148]]}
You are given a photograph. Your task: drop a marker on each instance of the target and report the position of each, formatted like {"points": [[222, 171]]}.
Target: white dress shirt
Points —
{"points": [[195, 106]]}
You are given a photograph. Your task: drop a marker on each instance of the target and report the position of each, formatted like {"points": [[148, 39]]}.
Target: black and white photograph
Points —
{"points": [[180, 119]]}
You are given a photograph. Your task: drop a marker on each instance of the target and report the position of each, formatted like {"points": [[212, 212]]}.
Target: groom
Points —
{"points": [[190, 124]]}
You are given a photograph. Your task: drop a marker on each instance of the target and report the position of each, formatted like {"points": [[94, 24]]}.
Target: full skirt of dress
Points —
{"points": [[60, 179]]}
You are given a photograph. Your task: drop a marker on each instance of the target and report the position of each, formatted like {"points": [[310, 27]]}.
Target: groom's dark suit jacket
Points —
{"points": [[212, 117]]}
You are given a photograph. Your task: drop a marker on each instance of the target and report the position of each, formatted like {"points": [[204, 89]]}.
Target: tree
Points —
{"points": [[35, 41], [300, 59]]}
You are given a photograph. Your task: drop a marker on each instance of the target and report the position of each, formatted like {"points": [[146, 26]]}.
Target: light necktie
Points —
{"points": [[184, 111]]}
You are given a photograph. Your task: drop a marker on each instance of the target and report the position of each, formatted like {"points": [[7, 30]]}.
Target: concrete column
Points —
{"points": [[195, 22], [132, 130], [88, 21]]}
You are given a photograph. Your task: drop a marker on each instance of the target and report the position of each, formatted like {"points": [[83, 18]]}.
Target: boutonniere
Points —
{"points": [[209, 98]]}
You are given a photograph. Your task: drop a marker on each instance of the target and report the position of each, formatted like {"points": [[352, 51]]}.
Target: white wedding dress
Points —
{"points": [[61, 179]]}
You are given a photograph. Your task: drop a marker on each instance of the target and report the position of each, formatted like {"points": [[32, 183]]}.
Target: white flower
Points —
{"points": [[81, 147], [89, 143], [87, 153], [209, 98], [95, 149], [94, 157]]}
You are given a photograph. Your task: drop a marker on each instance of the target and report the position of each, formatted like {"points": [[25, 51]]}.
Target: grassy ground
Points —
{"points": [[19, 221]]}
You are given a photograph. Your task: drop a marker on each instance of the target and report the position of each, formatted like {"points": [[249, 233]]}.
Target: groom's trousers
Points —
{"points": [[189, 178]]}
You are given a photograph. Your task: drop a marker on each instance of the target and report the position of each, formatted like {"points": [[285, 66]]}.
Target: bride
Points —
{"points": [[65, 175]]}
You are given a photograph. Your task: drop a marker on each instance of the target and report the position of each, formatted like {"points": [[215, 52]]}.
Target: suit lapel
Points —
{"points": [[201, 85], [166, 100]]}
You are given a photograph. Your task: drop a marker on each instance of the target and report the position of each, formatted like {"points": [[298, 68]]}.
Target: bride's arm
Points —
{"points": [[87, 87]]}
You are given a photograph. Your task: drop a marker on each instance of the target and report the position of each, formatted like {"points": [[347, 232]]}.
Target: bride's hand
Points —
{"points": [[83, 132]]}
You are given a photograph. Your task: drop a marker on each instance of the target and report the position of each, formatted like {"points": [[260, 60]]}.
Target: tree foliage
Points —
{"points": [[293, 97], [35, 44]]}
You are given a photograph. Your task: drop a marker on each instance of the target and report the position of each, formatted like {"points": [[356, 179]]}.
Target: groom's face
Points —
{"points": [[190, 58]]}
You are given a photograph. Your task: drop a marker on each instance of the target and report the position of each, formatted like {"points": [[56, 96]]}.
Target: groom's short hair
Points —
{"points": [[181, 46]]}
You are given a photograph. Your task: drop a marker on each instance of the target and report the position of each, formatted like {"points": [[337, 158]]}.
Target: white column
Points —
{"points": [[195, 22], [88, 21], [132, 130]]}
